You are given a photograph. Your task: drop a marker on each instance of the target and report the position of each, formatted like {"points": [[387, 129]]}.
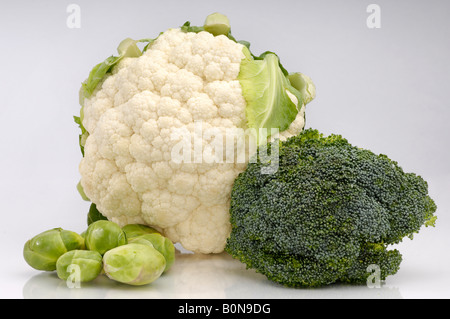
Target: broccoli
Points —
{"points": [[328, 212]]}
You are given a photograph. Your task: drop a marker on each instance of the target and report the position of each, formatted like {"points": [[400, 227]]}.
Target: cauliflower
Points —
{"points": [[154, 123]]}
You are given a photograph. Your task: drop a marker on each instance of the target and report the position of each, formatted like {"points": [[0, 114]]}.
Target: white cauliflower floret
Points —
{"points": [[186, 81]]}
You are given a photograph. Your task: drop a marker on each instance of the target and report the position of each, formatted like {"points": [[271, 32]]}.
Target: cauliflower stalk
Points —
{"points": [[189, 87]]}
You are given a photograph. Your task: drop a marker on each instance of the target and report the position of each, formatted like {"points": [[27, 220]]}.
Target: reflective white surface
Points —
{"points": [[197, 277], [220, 277]]}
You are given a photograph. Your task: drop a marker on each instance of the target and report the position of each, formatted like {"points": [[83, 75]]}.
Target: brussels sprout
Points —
{"points": [[104, 235], [87, 262], [42, 251], [135, 230], [162, 244], [134, 264], [94, 215]]}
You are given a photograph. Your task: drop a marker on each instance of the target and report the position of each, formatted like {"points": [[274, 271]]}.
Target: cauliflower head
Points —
{"points": [[185, 84]]}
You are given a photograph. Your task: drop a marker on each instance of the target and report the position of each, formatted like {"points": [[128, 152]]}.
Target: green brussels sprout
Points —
{"points": [[104, 235], [42, 251], [94, 215], [88, 264], [162, 244], [134, 264], [136, 230]]}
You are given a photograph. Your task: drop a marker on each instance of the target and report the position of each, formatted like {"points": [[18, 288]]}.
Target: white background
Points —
{"points": [[383, 89]]}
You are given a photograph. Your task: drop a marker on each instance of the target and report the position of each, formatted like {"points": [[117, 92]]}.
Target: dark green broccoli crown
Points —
{"points": [[326, 214]]}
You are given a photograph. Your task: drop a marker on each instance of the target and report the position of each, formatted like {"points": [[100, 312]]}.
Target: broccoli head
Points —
{"points": [[328, 212]]}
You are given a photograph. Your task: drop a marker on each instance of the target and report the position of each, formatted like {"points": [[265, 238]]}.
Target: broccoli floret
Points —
{"points": [[328, 212]]}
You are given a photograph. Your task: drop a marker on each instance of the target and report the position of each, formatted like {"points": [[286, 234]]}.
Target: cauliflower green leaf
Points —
{"points": [[272, 102], [127, 48]]}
